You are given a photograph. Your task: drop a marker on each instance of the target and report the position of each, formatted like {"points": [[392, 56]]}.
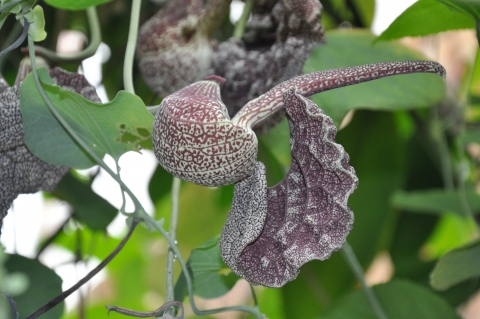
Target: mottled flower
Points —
{"points": [[270, 232], [279, 38], [174, 46]]}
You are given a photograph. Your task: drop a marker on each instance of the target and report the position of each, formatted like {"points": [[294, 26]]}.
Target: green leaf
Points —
{"points": [[426, 17], [400, 299], [436, 201], [160, 184], [472, 136], [456, 266], [366, 9], [44, 285], [211, 277], [470, 7], [90, 208], [114, 128], [354, 47], [75, 4], [37, 28]]}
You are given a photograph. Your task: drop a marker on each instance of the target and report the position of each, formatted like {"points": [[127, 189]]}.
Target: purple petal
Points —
{"points": [[307, 216]]}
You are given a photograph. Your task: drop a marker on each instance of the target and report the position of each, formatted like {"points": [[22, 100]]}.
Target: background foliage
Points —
{"points": [[409, 141]]}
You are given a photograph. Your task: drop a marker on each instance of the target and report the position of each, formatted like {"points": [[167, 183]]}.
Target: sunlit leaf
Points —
{"points": [[113, 128], [354, 47], [471, 7], [436, 201], [75, 4], [44, 285], [88, 207], [456, 266], [399, 299], [426, 17]]}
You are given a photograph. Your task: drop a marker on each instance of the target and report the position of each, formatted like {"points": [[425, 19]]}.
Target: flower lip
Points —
{"points": [[215, 78]]}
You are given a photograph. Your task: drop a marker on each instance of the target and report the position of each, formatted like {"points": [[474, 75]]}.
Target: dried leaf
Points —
{"points": [[20, 171], [304, 217]]}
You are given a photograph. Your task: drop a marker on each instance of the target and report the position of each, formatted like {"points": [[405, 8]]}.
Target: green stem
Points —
{"points": [[357, 270], [71, 131], [10, 5], [241, 23], [197, 311], [130, 50], [169, 294], [95, 40]]}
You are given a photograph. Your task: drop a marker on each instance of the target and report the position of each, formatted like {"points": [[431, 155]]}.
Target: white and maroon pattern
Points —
{"points": [[195, 140], [269, 103], [174, 47], [270, 233], [279, 38]]}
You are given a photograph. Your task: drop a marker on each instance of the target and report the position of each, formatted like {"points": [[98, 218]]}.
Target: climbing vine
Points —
{"points": [[254, 174]]}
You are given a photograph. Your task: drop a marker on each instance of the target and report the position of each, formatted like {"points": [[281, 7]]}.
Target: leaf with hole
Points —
{"points": [[113, 128]]}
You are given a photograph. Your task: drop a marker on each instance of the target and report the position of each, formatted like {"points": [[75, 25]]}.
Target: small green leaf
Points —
{"points": [[44, 285], [426, 17], [354, 47], [436, 201], [37, 28], [400, 299], [102, 126], [89, 207], [75, 4], [211, 277], [456, 266]]}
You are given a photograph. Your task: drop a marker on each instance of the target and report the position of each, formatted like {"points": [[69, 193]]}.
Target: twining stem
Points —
{"points": [[169, 293], [19, 41], [241, 23], [13, 305], [95, 40], [55, 301], [9, 5], [149, 314], [130, 50], [357, 270]]}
